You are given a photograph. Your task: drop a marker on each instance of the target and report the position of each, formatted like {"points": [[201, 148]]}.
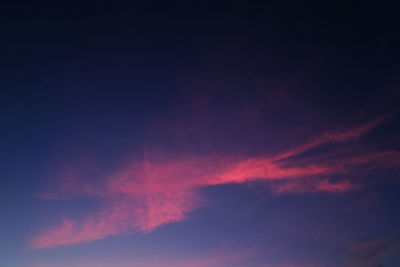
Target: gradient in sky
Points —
{"points": [[197, 134]]}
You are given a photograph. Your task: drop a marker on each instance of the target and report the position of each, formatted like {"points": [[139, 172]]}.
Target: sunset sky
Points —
{"points": [[200, 135]]}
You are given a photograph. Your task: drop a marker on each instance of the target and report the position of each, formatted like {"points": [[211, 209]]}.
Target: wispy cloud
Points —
{"points": [[370, 251], [313, 185], [149, 193], [333, 137]]}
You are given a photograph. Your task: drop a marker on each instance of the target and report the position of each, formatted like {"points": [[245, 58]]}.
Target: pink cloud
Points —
{"points": [[149, 193], [333, 137], [324, 185]]}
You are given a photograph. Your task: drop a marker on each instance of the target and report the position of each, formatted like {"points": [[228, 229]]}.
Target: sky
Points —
{"points": [[199, 135]]}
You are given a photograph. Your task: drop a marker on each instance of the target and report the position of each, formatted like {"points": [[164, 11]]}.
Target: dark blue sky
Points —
{"points": [[199, 134]]}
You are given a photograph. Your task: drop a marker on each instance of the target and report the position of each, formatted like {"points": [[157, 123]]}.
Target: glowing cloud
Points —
{"points": [[149, 193]]}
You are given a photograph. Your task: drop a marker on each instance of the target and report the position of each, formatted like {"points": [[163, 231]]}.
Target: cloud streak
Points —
{"points": [[373, 249], [149, 193]]}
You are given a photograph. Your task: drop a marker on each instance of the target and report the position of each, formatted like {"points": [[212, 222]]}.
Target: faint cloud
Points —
{"points": [[371, 250]]}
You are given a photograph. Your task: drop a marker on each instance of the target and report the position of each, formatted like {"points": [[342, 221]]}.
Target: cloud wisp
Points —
{"points": [[149, 193], [371, 250]]}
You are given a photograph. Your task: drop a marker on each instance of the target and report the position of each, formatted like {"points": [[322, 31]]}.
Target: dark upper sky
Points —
{"points": [[199, 134]]}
